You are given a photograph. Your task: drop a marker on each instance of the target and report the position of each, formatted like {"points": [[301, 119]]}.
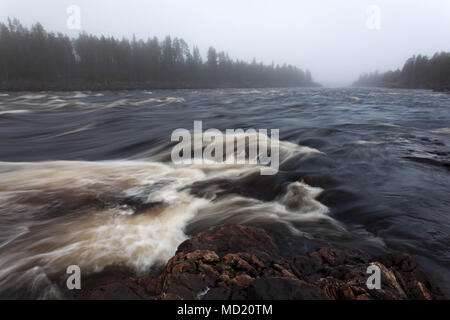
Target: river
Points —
{"points": [[86, 178]]}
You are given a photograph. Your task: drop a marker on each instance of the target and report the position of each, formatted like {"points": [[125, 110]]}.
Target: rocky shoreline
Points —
{"points": [[234, 262]]}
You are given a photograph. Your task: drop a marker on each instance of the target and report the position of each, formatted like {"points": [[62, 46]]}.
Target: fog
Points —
{"points": [[335, 40]]}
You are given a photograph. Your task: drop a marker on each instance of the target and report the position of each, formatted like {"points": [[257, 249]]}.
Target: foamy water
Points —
{"points": [[124, 213]]}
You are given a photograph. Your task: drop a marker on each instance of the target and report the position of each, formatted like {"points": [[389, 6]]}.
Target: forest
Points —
{"points": [[419, 72], [34, 59]]}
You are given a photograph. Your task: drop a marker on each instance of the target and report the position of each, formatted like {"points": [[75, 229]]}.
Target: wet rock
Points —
{"points": [[250, 266], [349, 283], [222, 263], [336, 197], [319, 181], [233, 262], [264, 188], [111, 284], [227, 239], [413, 279], [284, 289], [342, 275], [228, 276]]}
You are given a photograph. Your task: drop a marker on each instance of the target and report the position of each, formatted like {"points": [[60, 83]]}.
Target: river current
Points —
{"points": [[86, 178]]}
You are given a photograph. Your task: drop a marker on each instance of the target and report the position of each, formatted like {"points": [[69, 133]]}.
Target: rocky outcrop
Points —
{"points": [[342, 275], [236, 262], [224, 263]]}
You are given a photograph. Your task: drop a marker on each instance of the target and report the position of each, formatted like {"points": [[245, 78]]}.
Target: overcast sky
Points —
{"points": [[335, 39]]}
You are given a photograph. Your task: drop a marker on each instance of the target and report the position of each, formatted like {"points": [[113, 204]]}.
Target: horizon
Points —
{"points": [[336, 42]]}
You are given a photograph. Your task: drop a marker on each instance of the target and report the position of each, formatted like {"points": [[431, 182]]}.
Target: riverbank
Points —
{"points": [[444, 89], [67, 86]]}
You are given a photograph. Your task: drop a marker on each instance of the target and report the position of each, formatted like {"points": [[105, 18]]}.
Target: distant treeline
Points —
{"points": [[418, 72], [33, 59]]}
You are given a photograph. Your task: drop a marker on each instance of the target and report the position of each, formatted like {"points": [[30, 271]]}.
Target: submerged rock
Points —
{"points": [[236, 262]]}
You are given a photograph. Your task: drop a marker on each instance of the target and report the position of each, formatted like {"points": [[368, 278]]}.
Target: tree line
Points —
{"points": [[34, 58], [419, 72]]}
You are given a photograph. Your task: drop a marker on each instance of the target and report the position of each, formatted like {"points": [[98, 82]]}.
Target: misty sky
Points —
{"points": [[328, 37]]}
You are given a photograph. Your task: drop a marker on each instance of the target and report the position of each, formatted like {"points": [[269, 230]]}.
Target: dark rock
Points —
{"points": [[336, 197], [349, 283], [284, 289], [334, 257], [319, 181], [413, 279], [342, 275], [236, 262], [265, 188], [111, 284], [202, 274], [226, 239]]}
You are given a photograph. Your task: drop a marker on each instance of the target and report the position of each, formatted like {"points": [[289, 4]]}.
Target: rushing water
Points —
{"points": [[87, 178]]}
